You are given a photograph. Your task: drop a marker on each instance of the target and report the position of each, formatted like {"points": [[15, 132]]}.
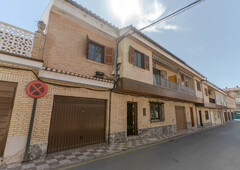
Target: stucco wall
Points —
{"points": [[130, 71]]}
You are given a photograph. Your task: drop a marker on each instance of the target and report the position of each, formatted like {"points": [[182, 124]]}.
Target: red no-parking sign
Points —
{"points": [[36, 89]]}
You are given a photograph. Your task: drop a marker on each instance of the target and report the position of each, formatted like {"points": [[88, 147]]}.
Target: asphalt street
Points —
{"points": [[215, 149]]}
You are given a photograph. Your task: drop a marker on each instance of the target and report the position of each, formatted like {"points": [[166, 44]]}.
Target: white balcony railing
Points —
{"points": [[157, 80], [15, 40]]}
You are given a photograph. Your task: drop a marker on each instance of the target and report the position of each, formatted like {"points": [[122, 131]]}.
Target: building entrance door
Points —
{"points": [[131, 118], [200, 118], [192, 117]]}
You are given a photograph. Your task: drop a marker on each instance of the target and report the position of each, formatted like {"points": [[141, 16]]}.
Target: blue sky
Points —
{"points": [[206, 36]]}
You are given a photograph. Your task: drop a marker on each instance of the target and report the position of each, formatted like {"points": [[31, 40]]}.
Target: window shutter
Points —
{"points": [[108, 55], [87, 46], [131, 55], [146, 62], [162, 114]]}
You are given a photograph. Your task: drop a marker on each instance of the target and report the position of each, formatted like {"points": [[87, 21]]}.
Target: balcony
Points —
{"points": [[15, 40], [159, 81], [211, 100], [165, 90]]}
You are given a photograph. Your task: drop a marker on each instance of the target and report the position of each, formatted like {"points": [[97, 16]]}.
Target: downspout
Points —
{"points": [[109, 115], [116, 62], [203, 102], [115, 82]]}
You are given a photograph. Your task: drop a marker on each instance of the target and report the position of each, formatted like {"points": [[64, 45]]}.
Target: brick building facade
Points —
{"points": [[74, 55]]}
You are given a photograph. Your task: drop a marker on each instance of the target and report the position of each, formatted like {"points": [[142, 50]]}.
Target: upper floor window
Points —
{"points": [[198, 85], [157, 111], [138, 59], [98, 52], [206, 91]]}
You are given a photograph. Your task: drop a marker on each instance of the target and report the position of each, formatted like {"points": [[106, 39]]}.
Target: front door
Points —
{"points": [[200, 117], [212, 117], [180, 118], [191, 114], [131, 119]]}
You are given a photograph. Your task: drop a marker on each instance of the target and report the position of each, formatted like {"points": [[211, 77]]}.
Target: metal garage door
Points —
{"points": [[7, 91], [76, 122], [180, 117]]}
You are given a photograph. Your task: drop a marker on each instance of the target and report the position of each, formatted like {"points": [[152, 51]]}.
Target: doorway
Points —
{"points": [[191, 115], [131, 119], [200, 118], [180, 117]]}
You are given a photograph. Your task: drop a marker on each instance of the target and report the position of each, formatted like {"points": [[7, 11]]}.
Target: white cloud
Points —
{"points": [[140, 13]]}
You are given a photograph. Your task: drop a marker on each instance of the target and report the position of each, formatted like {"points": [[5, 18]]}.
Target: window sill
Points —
{"points": [[156, 120], [96, 62]]}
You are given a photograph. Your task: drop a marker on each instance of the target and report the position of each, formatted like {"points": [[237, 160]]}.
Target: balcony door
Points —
{"points": [[159, 76]]}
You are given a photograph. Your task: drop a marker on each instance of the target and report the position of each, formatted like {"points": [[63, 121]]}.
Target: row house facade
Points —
{"points": [[93, 96], [235, 92]]}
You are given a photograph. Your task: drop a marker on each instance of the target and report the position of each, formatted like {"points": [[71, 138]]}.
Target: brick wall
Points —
{"points": [[119, 112], [44, 109], [38, 46], [23, 103], [66, 45]]}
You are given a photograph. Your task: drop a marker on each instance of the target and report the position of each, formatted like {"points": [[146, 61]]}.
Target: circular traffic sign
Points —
{"points": [[36, 89]]}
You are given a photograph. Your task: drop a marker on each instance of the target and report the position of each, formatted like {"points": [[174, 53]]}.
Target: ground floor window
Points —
{"points": [[206, 115], [157, 111]]}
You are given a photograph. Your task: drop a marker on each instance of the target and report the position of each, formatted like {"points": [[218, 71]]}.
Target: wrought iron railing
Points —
{"points": [[158, 80], [15, 40]]}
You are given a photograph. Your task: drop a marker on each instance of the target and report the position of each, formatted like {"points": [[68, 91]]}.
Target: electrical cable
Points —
{"points": [[173, 14], [139, 30]]}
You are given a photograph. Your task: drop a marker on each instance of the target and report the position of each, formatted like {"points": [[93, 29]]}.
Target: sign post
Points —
{"points": [[35, 89]]}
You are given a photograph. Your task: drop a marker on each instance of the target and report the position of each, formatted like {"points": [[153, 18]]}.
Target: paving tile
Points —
{"points": [[53, 164], [45, 166], [33, 168], [13, 165], [27, 166], [74, 159], [51, 160], [61, 158]]}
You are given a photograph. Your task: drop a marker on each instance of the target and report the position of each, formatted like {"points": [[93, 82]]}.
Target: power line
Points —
{"points": [[173, 14]]}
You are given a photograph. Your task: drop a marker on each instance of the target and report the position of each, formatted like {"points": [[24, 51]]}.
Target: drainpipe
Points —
{"points": [[116, 55], [116, 62], [203, 99], [109, 115], [115, 82]]}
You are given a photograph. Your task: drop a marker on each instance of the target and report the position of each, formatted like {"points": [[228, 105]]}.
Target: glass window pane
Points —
{"points": [[96, 52]]}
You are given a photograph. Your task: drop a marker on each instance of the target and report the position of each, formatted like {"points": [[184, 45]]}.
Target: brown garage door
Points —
{"points": [[180, 117], [7, 91], [76, 122]]}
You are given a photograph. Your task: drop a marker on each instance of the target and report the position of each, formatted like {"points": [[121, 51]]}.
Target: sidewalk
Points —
{"points": [[53, 161]]}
